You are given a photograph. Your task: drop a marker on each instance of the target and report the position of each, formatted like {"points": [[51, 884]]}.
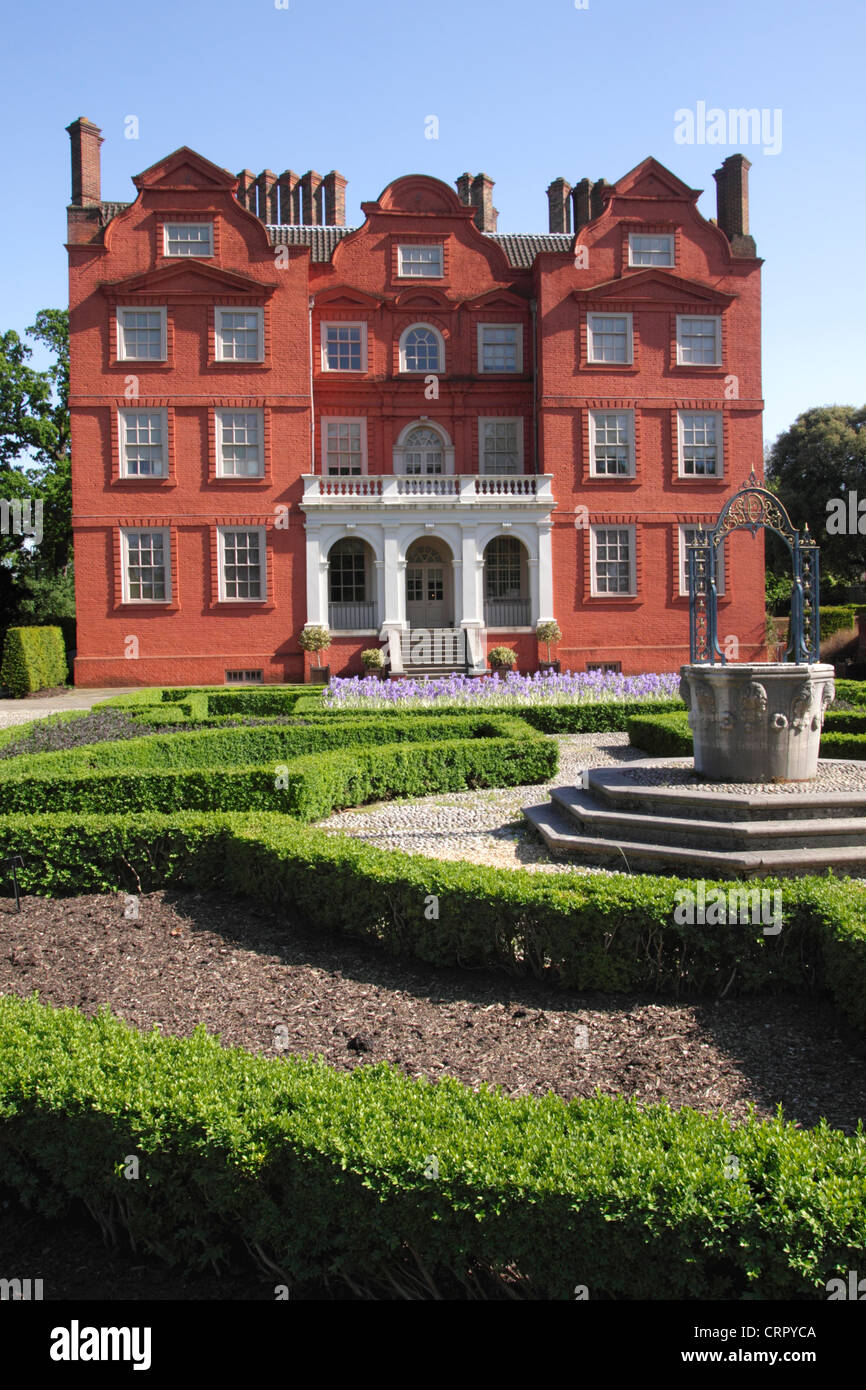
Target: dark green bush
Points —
{"points": [[851, 692], [661, 735], [838, 618], [34, 658], [325, 1174]]}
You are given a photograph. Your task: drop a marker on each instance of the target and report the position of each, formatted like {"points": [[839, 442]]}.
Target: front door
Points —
{"points": [[427, 587]]}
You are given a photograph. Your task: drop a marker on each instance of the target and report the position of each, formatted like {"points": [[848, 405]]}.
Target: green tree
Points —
{"points": [[814, 466]]}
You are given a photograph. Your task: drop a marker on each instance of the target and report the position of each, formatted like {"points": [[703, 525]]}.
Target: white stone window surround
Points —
{"points": [[241, 551], [610, 339], [147, 329], [612, 545], [487, 347], [405, 349], [705, 331], [330, 333], [339, 454], [403, 446], [225, 350], [148, 550], [143, 439], [700, 437], [611, 430], [185, 239]]}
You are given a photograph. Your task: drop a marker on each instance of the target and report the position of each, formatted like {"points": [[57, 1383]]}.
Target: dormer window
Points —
{"points": [[420, 262], [650, 250], [188, 239]]}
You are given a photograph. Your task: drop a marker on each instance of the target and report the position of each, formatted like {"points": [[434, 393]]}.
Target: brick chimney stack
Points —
{"points": [[732, 203], [289, 185], [266, 184], [335, 199], [559, 206], [596, 200], [86, 139], [581, 197], [311, 198], [246, 193], [477, 192], [481, 195], [464, 189]]}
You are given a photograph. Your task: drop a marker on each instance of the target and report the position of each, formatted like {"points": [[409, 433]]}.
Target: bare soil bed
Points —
{"points": [[198, 958]]}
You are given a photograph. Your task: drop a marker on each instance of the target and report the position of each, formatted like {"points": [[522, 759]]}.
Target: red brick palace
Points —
{"points": [[417, 424]]}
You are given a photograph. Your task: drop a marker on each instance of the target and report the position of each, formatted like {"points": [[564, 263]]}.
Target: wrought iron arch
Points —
{"points": [[752, 507]]}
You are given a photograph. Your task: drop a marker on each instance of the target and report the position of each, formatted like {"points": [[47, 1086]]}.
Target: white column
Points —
{"points": [[472, 620], [544, 610], [317, 580], [393, 599]]}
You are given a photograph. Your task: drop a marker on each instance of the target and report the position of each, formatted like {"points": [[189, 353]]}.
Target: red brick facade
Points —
{"points": [[453, 477]]}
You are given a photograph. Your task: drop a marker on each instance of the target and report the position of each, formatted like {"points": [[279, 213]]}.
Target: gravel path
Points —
{"points": [[834, 775], [485, 827], [24, 716]]}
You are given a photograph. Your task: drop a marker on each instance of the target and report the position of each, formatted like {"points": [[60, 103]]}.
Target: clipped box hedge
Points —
{"points": [[34, 658], [669, 736], [324, 1175]]}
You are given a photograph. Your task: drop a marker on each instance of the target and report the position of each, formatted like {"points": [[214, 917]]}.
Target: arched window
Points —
{"points": [[422, 349], [423, 451], [351, 604], [506, 597]]}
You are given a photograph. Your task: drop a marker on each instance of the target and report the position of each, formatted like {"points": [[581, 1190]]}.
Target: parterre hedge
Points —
{"points": [[324, 1174], [669, 735], [327, 1175], [34, 658]]}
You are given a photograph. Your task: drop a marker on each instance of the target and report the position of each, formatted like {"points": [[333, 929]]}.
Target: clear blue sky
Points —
{"points": [[525, 92]]}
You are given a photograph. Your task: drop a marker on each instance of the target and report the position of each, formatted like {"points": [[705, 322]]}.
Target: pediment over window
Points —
{"points": [[187, 279], [649, 179], [654, 287], [185, 169], [498, 299], [347, 297], [412, 300], [418, 193]]}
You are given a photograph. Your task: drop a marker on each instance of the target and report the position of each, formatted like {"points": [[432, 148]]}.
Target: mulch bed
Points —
{"points": [[191, 958], [244, 973]]}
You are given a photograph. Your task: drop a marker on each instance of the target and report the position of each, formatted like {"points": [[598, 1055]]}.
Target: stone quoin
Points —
{"points": [[423, 422]]}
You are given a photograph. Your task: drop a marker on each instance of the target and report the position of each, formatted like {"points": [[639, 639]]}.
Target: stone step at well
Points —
{"points": [[616, 788], [592, 816], [563, 838]]}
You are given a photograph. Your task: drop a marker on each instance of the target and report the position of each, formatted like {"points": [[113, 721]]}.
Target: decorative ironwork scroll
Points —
{"points": [[750, 508]]}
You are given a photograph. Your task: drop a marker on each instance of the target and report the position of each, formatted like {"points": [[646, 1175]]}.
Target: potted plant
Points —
{"points": [[502, 660], [316, 639], [374, 662], [549, 632]]}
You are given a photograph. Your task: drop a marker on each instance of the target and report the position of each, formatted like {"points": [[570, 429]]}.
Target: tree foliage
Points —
{"points": [[819, 459]]}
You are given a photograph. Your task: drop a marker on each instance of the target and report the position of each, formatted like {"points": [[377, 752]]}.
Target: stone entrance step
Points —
{"points": [[615, 819], [593, 817]]}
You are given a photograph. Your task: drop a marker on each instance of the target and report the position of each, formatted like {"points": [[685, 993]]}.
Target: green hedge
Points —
{"points": [[851, 692], [669, 736], [839, 618], [583, 931], [307, 787], [590, 717], [34, 658], [326, 1175]]}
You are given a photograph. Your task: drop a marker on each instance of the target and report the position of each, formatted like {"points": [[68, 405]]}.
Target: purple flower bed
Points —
{"points": [[584, 687]]}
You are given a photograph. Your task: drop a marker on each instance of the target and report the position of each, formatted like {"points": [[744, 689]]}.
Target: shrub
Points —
{"points": [[315, 639], [502, 656], [547, 633], [373, 659], [325, 1174], [839, 618], [661, 735], [34, 658]]}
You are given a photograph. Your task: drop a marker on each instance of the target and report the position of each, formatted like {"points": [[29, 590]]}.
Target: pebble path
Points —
{"points": [[485, 827]]}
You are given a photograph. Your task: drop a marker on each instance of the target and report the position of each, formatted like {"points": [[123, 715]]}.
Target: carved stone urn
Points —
{"points": [[757, 721]]}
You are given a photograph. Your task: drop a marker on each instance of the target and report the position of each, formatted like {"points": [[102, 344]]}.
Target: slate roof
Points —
{"points": [[521, 248]]}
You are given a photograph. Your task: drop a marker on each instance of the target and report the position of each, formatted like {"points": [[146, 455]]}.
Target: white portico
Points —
{"points": [[445, 555]]}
